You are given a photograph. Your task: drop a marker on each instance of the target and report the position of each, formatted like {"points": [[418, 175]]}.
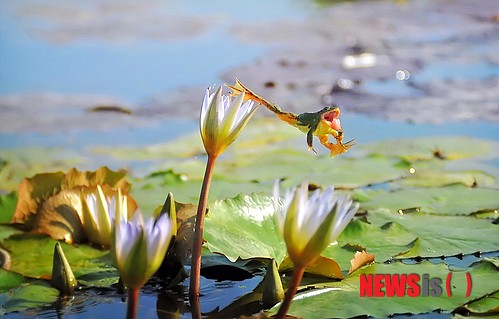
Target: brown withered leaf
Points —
{"points": [[37, 189], [323, 266], [59, 218], [34, 191], [50, 203], [102, 176], [359, 260]]}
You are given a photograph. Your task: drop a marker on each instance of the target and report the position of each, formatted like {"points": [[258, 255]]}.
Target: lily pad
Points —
{"points": [[441, 235], [7, 206], [38, 262], [244, 227], [9, 279], [488, 304], [36, 294], [450, 200], [425, 148], [295, 167], [337, 298]]}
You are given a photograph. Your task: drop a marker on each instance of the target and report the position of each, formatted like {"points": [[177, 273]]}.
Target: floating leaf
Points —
{"points": [[426, 148], [450, 200], [337, 299], [384, 240], [7, 206], [244, 227], [9, 279], [36, 294], [488, 304], [441, 235], [38, 262]]}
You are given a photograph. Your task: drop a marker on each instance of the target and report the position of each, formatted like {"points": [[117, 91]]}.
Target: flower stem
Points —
{"points": [[293, 286], [133, 302], [198, 231]]}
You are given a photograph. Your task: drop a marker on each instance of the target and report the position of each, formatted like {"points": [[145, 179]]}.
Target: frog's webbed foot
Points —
{"points": [[339, 147]]}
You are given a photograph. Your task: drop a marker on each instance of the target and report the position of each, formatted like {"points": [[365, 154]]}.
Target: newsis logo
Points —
{"points": [[411, 285]]}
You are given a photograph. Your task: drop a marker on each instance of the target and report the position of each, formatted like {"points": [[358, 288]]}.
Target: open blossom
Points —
{"points": [[222, 119], [139, 247], [310, 224]]}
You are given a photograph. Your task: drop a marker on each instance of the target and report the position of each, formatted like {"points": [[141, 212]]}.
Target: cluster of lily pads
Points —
{"points": [[418, 199]]}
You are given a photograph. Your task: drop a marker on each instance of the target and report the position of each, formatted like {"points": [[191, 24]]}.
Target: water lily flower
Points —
{"points": [[139, 247], [222, 119], [310, 224], [98, 213]]}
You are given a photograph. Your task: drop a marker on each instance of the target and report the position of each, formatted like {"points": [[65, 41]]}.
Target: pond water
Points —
{"points": [[58, 59]]}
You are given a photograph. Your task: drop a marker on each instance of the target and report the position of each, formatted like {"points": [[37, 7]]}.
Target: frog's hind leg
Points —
{"points": [[336, 149]]}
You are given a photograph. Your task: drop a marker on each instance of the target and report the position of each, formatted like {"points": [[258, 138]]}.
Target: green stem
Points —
{"points": [[198, 231], [293, 286], [133, 302]]}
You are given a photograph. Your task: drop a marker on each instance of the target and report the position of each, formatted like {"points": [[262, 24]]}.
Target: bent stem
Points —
{"points": [[198, 231], [293, 286], [133, 301]]}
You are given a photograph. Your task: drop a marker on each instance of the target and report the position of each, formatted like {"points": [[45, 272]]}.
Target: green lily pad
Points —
{"points": [[32, 256], [36, 294], [7, 206], [382, 240], [244, 227], [450, 200], [336, 298], [440, 235], [295, 167], [425, 148], [488, 304], [9, 279]]}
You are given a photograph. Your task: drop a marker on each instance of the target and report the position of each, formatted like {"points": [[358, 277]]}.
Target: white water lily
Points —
{"points": [[139, 248], [98, 215], [222, 119], [310, 224]]}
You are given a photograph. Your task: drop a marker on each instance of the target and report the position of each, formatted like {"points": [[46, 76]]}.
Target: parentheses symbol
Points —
{"points": [[470, 284], [447, 284]]}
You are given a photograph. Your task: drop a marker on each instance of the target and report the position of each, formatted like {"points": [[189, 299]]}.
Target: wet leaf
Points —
{"points": [[338, 297]]}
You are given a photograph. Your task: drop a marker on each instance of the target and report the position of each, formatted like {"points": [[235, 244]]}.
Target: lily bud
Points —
{"points": [[222, 119], [310, 224], [62, 275], [139, 248]]}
